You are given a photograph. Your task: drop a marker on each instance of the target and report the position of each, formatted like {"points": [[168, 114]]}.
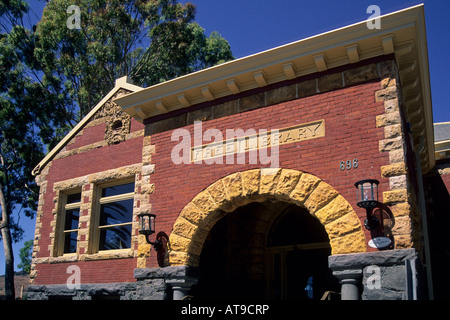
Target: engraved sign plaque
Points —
{"points": [[256, 141]]}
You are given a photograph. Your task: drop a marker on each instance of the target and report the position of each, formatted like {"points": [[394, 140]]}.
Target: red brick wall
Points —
{"points": [[350, 133], [101, 271], [89, 135]]}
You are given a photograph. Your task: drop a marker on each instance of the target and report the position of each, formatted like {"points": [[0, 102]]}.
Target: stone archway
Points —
{"points": [[235, 190]]}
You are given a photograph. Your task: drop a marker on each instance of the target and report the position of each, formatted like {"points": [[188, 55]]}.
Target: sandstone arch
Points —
{"points": [[225, 195]]}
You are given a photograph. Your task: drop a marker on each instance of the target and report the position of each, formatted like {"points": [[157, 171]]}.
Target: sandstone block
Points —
{"points": [[390, 144], [343, 226], [191, 213], [144, 250], [218, 194], [395, 196], [352, 243], [401, 209], [304, 187], [210, 219], [307, 88], [360, 74], [403, 241], [337, 208], [287, 181], [386, 94], [396, 156], [252, 102], [141, 263], [177, 258], [388, 119], [395, 169], [184, 228], [388, 82], [392, 131], [281, 94], [330, 82], [269, 182], [386, 68], [225, 109], [391, 105], [203, 114], [148, 169], [321, 195], [204, 202], [398, 182], [178, 243], [250, 182], [402, 226], [233, 185]]}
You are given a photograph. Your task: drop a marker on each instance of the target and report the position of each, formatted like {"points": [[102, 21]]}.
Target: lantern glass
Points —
{"points": [[146, 223], [367, 193]]}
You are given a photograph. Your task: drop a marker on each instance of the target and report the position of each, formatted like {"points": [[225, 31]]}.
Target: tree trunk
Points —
{"points": [[7, 244]]}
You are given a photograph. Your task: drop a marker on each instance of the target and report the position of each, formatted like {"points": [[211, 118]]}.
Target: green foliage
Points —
{"points": [[21, 105], [51, 76], [150, 41], [25, 256]]}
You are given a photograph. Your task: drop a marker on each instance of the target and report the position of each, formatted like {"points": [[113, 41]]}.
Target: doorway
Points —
{"points": [[297, 257], [265, 250]]}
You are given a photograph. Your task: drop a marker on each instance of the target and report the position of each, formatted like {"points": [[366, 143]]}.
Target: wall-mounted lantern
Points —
{"points": [[367, 198], [147, 228], [379, 218]]}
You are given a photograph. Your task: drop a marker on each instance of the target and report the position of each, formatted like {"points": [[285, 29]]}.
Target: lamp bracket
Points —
{"points": [[157, 244]]}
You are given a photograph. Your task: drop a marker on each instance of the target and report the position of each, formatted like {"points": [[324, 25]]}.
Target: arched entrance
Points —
{"points": [[267, 194], [272, 250]]}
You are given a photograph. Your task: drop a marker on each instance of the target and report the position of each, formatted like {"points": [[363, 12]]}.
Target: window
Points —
{"points": [[115, 217], [71, 217]]}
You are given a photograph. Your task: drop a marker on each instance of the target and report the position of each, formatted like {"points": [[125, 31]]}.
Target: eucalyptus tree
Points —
{"points": [[52, 73]]}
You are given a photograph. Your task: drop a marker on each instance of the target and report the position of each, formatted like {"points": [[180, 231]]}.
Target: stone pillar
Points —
{"points": [[155, 283], [350, 280], [181, 287], [381, 275]]}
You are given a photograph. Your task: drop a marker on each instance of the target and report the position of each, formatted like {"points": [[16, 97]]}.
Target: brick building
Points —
{"points": [[250, 168]]}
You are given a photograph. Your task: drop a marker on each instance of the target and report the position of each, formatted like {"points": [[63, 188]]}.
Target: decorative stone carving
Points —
{"points": [[117, 121]]}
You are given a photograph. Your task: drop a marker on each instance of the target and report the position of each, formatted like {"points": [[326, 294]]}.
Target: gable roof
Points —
{"points": [[402, 33], [121, 83]]}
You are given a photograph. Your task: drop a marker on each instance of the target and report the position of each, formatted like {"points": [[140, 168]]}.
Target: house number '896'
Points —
{"points": [[348, 164]]}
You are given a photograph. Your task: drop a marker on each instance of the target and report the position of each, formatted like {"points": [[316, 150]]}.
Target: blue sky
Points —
{"points": [[251, 26]]}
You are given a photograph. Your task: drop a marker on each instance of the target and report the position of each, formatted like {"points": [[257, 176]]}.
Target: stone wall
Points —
{"points": [[383, 275], [401, 196], [121, 291]]}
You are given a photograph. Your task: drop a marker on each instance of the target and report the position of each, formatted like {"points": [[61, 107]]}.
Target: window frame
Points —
{"points": [[99, 201], [62, 233]]}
